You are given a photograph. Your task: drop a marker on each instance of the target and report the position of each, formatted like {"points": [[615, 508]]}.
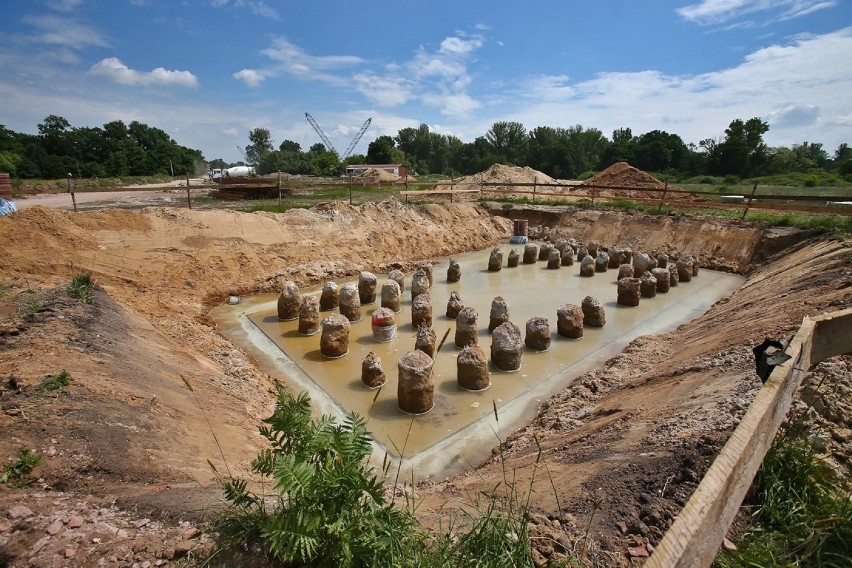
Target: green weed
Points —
{"points": [[33, 307], [52, 383], [21, 467], [329, 509], [81, 287], [801, 518]]}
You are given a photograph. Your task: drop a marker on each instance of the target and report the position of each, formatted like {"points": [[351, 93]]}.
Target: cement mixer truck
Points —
{"points": [[238, 171]]}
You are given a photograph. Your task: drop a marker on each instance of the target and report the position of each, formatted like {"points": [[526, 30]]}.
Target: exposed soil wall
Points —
{"points": [[719, 244]]}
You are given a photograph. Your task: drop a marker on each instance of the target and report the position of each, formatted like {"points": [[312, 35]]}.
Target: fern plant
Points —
{"points": [[329, 508]]}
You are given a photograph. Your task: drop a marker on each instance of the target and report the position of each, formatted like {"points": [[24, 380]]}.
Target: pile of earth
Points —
{"points": [[378, 174], [621, 176], [501, 174]]}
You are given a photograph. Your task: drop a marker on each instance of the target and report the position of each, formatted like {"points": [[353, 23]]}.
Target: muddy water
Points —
{"points": [[461, 428]]}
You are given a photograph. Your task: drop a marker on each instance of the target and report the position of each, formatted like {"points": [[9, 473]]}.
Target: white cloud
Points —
{"points": [[256, 7], [385, 91], [63, 5], [230, 132], [793, 116], [67, 32], [290, 59], [250, 77], [112, 68], [437, 78], [458, 105], [714, 12], [291, 55], [457, 45], [801, 88]]}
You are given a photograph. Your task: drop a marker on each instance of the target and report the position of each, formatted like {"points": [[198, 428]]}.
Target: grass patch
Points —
{"points": [[801, 517], [53, 383], [306, 197], [81, 288], [4, 290], [21, 467]]}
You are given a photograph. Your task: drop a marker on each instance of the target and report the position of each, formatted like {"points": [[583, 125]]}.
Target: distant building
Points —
{"points": [[357, 169]]}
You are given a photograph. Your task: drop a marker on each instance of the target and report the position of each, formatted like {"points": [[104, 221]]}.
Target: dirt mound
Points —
{"points": [[377, 174], [621, 176], [500, 174]]}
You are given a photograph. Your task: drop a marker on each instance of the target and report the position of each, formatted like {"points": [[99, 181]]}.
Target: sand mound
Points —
{"points": [[499, 174], [622, 175], [376, 174]]}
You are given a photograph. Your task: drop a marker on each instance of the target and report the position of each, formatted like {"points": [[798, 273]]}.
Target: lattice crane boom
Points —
{"points": [[321, 134], [356, 139]]}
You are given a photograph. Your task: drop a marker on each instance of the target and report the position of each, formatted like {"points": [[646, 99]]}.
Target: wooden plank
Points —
{"points": [[698, 531], [694, 538], [833, 335]]}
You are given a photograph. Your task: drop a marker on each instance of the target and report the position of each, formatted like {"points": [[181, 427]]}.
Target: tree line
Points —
{"points": [[113, 150], [564, 152], [137, 149]]}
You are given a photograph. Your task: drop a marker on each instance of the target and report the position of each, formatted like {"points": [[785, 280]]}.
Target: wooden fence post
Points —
{"points": [[748, 204], [279, 188], [350, 189], [188, 194], [663, 198], [71, 191], [535, 186]]}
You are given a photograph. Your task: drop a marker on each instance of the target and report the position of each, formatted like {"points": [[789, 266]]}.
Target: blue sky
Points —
{"points": [[208, 71]]}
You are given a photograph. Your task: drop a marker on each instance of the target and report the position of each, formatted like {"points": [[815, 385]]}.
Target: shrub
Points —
{"points": [[53, 383], [81, 287], [330, 509]]}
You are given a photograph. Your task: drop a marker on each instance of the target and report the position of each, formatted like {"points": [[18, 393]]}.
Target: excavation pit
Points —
{"points": [[459, 428]]}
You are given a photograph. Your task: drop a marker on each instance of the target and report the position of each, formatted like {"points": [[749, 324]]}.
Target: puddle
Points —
{"points": [[461, 428]]}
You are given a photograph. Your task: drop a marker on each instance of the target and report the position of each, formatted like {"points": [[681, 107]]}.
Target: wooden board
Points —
{"points": [[694, 538]]}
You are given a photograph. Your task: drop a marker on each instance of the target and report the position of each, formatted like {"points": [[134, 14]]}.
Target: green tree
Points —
{"points": [[842, 161], [810, 155], [325, 163], [658, 151], [584, 148], [620, 149], [509, 141], [547, 150], [53, 132], [290, 146], [743, 151], [382, 150], [260, 142]]}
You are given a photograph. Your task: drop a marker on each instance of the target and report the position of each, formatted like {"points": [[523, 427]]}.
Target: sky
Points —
{"points": [[209, 71]]}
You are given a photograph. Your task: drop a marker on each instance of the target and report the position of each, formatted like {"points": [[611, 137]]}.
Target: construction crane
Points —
{"points": [[357, 138], [329, 146]]}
